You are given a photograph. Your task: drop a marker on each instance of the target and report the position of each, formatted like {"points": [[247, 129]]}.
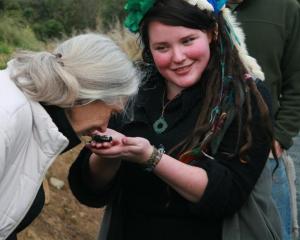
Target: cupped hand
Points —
{"points": [[116, 139], [136, 149], [133, 149]]}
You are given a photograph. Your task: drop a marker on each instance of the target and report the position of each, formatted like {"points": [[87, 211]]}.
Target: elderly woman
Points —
{"points": [[47, 100]]}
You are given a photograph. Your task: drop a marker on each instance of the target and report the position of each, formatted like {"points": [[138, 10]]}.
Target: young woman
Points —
{"points": [[191, 163], [47, 100]]}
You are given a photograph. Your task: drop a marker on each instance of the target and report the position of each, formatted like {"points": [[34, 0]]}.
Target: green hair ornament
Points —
{"points": [[136, 10]]}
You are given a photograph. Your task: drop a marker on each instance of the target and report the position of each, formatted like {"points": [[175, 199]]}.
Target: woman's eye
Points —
{"points": [[161, 48], [188, 40]]}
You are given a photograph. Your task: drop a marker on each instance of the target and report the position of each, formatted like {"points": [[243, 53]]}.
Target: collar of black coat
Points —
{"points": [[149, 101], [59, 118]]}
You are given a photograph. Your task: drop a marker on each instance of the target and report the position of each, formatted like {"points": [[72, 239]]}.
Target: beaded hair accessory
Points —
{"points": [[136, 10], [58, 56]]}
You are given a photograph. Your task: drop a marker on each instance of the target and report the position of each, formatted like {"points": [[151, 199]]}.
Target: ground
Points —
{"points": [[63, 217]]}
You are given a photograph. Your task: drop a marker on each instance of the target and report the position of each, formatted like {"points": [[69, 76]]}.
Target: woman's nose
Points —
{"points": [[178, 55], [104, 125], [102, 128]]}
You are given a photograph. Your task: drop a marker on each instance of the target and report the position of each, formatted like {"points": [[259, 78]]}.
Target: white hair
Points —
{"points": [[84, 68]]}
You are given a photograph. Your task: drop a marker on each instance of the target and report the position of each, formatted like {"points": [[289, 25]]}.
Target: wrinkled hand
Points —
{"points": [[133, 149]]}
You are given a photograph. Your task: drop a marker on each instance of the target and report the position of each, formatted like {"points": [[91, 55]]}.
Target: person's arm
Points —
{"points": [[102, 170], [91, 178], [189, 181], [84, 186], [287, 123]]}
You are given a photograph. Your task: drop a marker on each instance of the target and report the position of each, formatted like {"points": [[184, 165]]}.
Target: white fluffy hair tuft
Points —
{"points": [[202, 4], [238, 38]]}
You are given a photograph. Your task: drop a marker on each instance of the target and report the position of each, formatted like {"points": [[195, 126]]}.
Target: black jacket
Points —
{"points": [[143, 206]]}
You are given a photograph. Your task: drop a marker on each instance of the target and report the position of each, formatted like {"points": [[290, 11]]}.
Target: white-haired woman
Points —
{"points": [[46, 101]]}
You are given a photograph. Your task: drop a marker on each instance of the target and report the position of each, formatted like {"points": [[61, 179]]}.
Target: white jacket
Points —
{"points": [[29, 143]]}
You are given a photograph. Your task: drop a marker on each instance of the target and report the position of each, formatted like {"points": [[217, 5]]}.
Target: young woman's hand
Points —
{"points": [[134, 149], [116, 139]]}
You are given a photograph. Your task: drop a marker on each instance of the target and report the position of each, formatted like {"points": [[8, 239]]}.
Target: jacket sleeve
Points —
{"points": [[60, 119], [231, 181], [287, 119], [81, 184], [3, 153]]}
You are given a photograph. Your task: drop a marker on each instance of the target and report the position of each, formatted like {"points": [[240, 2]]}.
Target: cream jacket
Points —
{"points": [[29, 143]]}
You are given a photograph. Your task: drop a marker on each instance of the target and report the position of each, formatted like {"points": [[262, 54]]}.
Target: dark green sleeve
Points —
{"points": [[272, 29], [287, 118]]}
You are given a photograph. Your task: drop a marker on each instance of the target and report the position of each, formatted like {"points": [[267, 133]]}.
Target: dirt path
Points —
{"points": [[63, 218]]}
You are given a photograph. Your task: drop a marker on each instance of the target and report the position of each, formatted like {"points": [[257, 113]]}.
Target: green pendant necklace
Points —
{"points": [[160, 125]]}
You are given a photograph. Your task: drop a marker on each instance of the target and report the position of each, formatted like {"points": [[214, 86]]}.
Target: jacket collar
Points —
{"points": [[45, 132], [58, 116], [149, 102]]}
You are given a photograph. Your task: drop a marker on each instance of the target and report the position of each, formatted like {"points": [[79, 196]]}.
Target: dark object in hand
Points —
{"points": [[101, 138]]}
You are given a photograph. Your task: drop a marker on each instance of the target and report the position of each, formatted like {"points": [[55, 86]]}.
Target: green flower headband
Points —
{"points": [[136, 10]]}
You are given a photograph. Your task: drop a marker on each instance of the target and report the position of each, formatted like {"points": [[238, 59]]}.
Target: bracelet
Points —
{"points": [[153, 160]]}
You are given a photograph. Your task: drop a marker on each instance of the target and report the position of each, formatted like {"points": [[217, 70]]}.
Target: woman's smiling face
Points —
{"points": [[180, 54]]}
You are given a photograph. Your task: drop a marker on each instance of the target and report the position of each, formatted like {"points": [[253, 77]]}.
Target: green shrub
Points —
{"points": [[3, 60], [17, 34], [49, 29], [4, 48], [5, 52]]}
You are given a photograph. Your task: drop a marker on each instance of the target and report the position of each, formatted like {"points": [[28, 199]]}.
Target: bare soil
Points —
{"points": [[63, 217]]}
